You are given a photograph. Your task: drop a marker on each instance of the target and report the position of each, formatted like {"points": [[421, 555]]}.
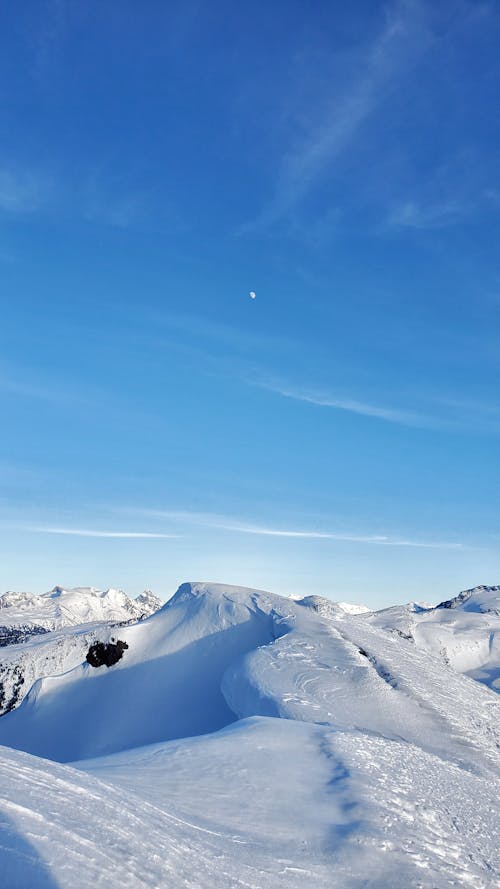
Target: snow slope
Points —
{"points": [[308, 794], [43, 635], [351, 675], [267, 803], [213, 654], [290, 743], [21, 665], [167, 685]]}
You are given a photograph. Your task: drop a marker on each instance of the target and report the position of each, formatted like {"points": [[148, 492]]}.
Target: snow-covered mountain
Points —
{"points": [[27, 613], [482, 599], [464, 631], [60, 627], [238, 738]]}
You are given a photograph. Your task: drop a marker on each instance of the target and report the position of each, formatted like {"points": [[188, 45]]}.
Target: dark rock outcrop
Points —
{"points": [[105, 654]]}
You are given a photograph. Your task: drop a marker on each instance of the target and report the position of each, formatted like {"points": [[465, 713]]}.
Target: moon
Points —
{"points": [[252, 294]]}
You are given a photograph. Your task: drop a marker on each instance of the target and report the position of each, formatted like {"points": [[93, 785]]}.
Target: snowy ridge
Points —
{"points": [[482, 599], [171, 673], [80, 605], [247, 739], [351, 675]]}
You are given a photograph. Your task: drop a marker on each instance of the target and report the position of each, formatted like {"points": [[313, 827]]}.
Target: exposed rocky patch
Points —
{"points": [[407, 636], [40, 655], [10, 698], [382, 671], [105, 654], [14, 635]]}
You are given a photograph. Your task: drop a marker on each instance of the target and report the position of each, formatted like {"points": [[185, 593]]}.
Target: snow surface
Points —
{"points": [[246, 739]]}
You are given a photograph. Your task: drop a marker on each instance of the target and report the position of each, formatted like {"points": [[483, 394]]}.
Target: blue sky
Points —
{"points": [[340, 433]]}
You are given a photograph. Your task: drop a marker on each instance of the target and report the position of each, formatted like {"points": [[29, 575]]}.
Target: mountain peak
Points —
{"points": [[481, 598]]}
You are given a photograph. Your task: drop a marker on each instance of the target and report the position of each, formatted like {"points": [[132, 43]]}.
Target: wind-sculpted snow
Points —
{"points": [[351, 675], [378, 813], [264, 804], [291, 743]]}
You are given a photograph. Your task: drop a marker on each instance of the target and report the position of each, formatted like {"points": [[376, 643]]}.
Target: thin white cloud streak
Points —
{"points": [[85, 532], [403, 40], [391, 415], [238, 366], [225, 523], [239, 340], [412, 214], [421, 215], [377, 539], [454, 414]]}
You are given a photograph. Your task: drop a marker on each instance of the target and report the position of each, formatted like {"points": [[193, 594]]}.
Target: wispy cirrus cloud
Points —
{"points": [[440, 411], [87, 532], [349, 105], [402, 41], [460, 201], [248, 355], [414, 214], [205, 333], [365, 409], [218, 522]]}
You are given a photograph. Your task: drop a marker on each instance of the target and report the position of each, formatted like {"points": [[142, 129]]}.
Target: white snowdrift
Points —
{"points": [[267, 803]]}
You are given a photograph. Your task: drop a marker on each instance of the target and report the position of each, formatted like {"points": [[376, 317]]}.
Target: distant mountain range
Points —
{"points": [[70, 608]]}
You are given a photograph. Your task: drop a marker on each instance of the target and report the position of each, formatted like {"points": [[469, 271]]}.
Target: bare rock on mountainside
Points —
{"points": [[106, 654]]}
